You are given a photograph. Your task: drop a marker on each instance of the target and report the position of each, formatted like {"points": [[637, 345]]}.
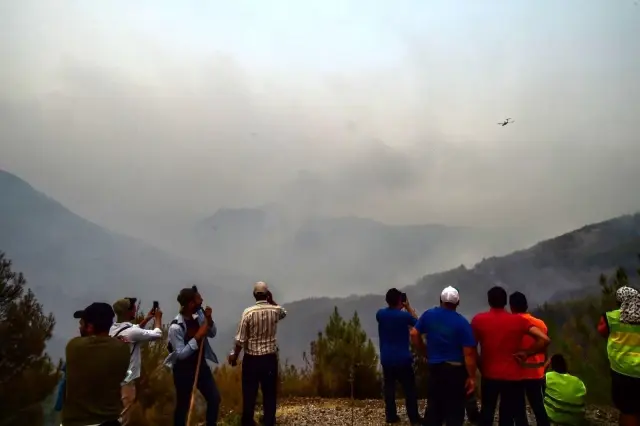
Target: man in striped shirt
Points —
{"points": [[257, 336]]}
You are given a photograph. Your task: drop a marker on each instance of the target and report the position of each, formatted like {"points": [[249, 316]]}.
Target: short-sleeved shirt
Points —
{"points": [[393, 334], [500, 334], [447, 332]]}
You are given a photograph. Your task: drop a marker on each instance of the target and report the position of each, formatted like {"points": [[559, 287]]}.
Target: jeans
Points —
{"points": [[406, 377], [512, 402], [259, 371], [183, 378], [446, 396], [534, 389]]}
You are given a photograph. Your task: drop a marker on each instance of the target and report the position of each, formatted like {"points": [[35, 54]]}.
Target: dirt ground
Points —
{"points": [[338, 412]]}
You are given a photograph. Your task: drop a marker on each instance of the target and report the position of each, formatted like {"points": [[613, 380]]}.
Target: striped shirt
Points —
{"points": [[258, 327]]}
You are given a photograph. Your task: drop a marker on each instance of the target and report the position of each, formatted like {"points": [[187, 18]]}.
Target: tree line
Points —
{"points": [[341, 361]]}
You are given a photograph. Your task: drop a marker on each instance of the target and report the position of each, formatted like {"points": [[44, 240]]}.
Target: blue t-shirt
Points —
{"points": [[393, 334], [447, 333]]}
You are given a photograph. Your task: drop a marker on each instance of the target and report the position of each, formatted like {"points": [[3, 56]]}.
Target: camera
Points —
{"points": [[403, 297], [156, 305]]}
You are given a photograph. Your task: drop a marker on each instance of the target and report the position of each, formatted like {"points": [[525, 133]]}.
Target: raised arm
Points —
{"points": [[137, 334]]}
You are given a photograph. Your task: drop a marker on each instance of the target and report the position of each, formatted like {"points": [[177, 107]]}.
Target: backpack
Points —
{"points": [[169, 345]]}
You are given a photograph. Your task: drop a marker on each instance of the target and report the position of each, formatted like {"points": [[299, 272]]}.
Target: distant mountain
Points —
{"points": [[338, 256], [564, 267], [70, 262]]}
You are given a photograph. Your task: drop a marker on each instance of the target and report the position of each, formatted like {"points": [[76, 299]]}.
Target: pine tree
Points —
{"points": [[343, 356], [27, 375]]}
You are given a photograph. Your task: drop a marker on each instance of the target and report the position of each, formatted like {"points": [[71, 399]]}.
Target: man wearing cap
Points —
{"points": [[133, 334], [95, 366], [394, 323], [257, 336], [187, 333], [451, 358]]}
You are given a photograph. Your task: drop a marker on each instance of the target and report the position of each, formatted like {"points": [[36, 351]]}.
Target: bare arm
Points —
{"points": [[541, 343], [418, 343]]}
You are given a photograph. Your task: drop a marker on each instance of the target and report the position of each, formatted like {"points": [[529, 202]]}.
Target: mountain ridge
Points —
{"points": [[566, 266]]}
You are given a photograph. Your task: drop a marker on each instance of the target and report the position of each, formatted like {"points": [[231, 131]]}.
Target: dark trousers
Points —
{"points": [[446, 395], [183, 378], [259, 371], [512, 402], [534, 389], [471, 407], [404, 375]]}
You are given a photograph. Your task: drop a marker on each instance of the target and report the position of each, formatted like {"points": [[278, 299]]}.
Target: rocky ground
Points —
{"points": [[338, 412]]}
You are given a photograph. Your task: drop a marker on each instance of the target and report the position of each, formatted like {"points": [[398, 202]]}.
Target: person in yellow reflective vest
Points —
{"points": [[564, 395], [621, 327]]}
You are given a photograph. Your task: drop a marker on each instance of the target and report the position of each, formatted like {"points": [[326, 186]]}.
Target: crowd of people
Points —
{"points": [[509, 351], [103, 363], [507, 348]]}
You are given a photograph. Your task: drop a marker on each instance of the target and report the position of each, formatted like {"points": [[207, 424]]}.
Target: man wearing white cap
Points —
{"points": [[257, 336], [451, 357]]}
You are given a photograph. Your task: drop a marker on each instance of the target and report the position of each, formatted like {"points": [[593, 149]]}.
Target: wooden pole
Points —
{"points": [[192, 405]]}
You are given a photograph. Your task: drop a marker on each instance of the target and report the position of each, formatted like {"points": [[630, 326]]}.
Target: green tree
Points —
{"points": [[344, 361], [27, 375]]}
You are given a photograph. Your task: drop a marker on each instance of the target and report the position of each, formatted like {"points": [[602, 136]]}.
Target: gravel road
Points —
{"points": [[337, 412]]}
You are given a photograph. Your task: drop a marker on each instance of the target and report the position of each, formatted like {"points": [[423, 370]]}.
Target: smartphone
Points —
{"points": [[403, 297], [156, 305]]}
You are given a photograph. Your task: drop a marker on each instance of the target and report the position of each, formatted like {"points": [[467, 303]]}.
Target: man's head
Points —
{"points": [[189, 300], [394, 298], [497, 297], [559, 364], [261, 291], [518, 303], [125, 309], [449, 298], [96, 319]]}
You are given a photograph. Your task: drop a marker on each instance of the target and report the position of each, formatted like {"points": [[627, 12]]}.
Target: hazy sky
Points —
{"points": [[144, 114]]}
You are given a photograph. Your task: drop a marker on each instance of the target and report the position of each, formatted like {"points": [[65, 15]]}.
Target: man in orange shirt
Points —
{"points": [[533, 367], [499, 334]]}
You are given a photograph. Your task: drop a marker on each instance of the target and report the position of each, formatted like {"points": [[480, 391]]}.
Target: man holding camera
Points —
{"points": [[394, 325], [257, 335], [133, 334], [188, 349]]}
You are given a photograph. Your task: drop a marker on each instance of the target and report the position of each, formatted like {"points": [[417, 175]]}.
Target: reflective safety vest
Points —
{"points": [[623, 346], [564, 398]]}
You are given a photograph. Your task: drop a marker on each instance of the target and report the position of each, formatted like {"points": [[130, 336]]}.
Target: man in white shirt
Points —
{"points": [[123, 329]]}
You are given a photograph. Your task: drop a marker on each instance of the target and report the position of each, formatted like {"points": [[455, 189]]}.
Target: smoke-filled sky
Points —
{"points": [[142, 115]]}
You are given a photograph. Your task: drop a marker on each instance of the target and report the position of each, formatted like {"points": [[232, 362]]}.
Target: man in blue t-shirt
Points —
{"points": [[394, 325], [451, 357]]}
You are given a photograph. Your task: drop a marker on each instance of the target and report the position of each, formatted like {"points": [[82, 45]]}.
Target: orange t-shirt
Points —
{"points": [[499, 334], [538, 359]]}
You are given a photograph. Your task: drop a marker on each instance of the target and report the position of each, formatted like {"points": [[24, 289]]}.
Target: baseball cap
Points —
{"points": [[122, 306], [450, 295], [260, 288], [96, 313]]}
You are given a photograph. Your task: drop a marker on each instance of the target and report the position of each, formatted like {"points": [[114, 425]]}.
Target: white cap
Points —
{"points": [[450, 295], [260, 288]]}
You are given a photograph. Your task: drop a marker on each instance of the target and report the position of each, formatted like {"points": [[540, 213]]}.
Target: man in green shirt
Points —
{"points": [[96, 364]]}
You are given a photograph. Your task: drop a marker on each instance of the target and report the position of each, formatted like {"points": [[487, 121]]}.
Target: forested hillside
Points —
{"points": [[562, 268]]}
